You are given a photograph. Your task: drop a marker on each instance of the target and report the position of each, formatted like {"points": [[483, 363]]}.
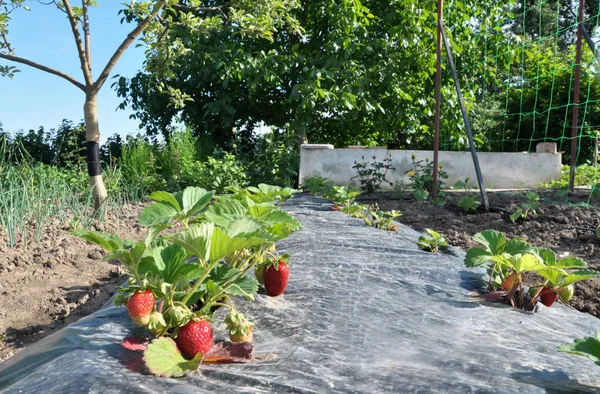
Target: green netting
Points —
{"points": [[525, 87]]}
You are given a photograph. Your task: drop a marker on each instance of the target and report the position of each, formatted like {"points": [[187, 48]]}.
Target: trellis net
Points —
{"points": [[524, 93]]}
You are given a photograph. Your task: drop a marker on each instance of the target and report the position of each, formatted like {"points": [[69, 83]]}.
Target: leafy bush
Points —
{"points": [[220, 172], [274, 159], [372, 174], [421, 178]]}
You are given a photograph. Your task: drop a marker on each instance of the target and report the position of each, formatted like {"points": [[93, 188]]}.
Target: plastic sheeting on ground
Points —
{"points": [[365, 312]]}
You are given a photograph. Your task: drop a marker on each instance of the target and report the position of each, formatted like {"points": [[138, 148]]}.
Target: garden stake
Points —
{"points": [[484, 198]]}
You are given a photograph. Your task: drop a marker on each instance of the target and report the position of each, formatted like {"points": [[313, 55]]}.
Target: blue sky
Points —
{"points": [[34, 98]]}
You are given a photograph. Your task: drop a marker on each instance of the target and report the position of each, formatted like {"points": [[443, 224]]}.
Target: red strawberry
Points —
{"points": [[548, 296], [195, 337], [276, 279], [140, 306], [334, 207]]}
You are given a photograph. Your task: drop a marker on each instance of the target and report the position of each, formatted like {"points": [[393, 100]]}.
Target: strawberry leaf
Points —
{"points": [[493, 240], [109, 242], [163, 358], [233, 353], [165, 198], [588, 347], [194, 199], [135, 344], [157, 214], [245, 286], [476, 257], [578, 276], [570, 262], [517, 246]]}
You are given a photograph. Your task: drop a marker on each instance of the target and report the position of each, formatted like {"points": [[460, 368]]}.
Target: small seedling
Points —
{"points": [[468, 202], [432, 242], [528, 207]]}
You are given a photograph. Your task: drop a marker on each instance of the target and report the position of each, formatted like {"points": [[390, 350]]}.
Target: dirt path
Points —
{"points": [[50, 284]]}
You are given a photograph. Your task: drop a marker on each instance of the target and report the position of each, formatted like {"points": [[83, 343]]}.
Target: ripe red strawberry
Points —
{"points": [[548, 296], [276, 279], [195, 337], [334, 207], [140, 306]]}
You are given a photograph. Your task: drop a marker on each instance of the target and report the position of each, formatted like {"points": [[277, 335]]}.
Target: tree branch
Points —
{"points": [[7, 44], [85, 67], [125, 44], [86, 34], [44, 68]]}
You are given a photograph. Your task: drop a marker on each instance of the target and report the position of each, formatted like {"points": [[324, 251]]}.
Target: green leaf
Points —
{"points": [[196, 240], [165, 198], [225, 211], [578, 276], [548, 256], [258, 211], [222, 244], [476, 257], [554, 276], [527, 262], [570, 262], [109, 242], [243, 226], [517, 246], [163, 358], [157, 214], [189, 271], [195, 199], [169, 260], [493, 240], [245, 286], [588, 347], [213, 288]]}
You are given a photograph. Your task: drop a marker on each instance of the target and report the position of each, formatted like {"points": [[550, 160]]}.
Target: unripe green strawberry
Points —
{"points": [[240, 328], [140, 306], [259, 272], [195, 337], [156, 323], [566, 293]]}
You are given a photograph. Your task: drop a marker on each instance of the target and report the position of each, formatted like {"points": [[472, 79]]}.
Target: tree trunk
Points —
{"points": [[92, 137], [301, 135]]}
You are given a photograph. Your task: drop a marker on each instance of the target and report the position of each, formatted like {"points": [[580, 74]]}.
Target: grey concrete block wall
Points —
{"points": [[500, 170]]}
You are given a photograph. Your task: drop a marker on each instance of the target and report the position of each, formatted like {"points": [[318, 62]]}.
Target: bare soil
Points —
{"points": [[47, 285], [564, 228]]}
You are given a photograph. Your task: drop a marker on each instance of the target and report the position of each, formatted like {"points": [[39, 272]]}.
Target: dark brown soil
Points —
{"points": [[561, 227], [45, 286]]}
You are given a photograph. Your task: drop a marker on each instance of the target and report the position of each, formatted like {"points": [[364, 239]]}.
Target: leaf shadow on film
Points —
{"points": [[553, 382]]}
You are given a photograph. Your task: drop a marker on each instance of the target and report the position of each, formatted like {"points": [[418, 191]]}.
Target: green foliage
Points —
{"points": [[528, 207], [431, 242], [372, 174], [585, 175], [587, 347], [468, 202], [354, 75], [421, 178], [273, 158], [219, 173], [509, 260], [375, 217], [195, 259], [318, 185]]}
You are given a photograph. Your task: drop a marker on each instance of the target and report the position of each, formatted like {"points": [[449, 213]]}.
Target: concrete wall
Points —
{"points": [[500, 170]]}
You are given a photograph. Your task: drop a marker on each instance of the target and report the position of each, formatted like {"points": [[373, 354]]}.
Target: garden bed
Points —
{"points": [[560, 227], [45, 286]]}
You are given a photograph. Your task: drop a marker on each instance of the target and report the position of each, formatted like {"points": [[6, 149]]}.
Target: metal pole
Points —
{"points": [[484, 198], [438, 100], [575, 119]]}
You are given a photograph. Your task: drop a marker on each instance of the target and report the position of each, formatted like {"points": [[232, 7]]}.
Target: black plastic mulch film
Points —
{"points": [[365, 312]]}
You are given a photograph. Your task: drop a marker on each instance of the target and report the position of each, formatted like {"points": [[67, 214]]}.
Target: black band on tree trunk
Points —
{"points": [[93, 158]]}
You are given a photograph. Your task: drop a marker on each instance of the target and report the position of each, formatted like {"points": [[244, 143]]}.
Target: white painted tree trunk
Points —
{"points": [[90, 111]]}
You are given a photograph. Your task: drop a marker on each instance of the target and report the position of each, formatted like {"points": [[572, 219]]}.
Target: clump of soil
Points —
{"points": [[560, 227], [47, 285]]}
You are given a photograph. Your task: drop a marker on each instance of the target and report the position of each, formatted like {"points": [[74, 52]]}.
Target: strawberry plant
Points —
{"points": [[343, 197], [587, 347], [468, 202], [528, 207], [195, 260], [509, 260], [431, 242], [375, 217]]}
